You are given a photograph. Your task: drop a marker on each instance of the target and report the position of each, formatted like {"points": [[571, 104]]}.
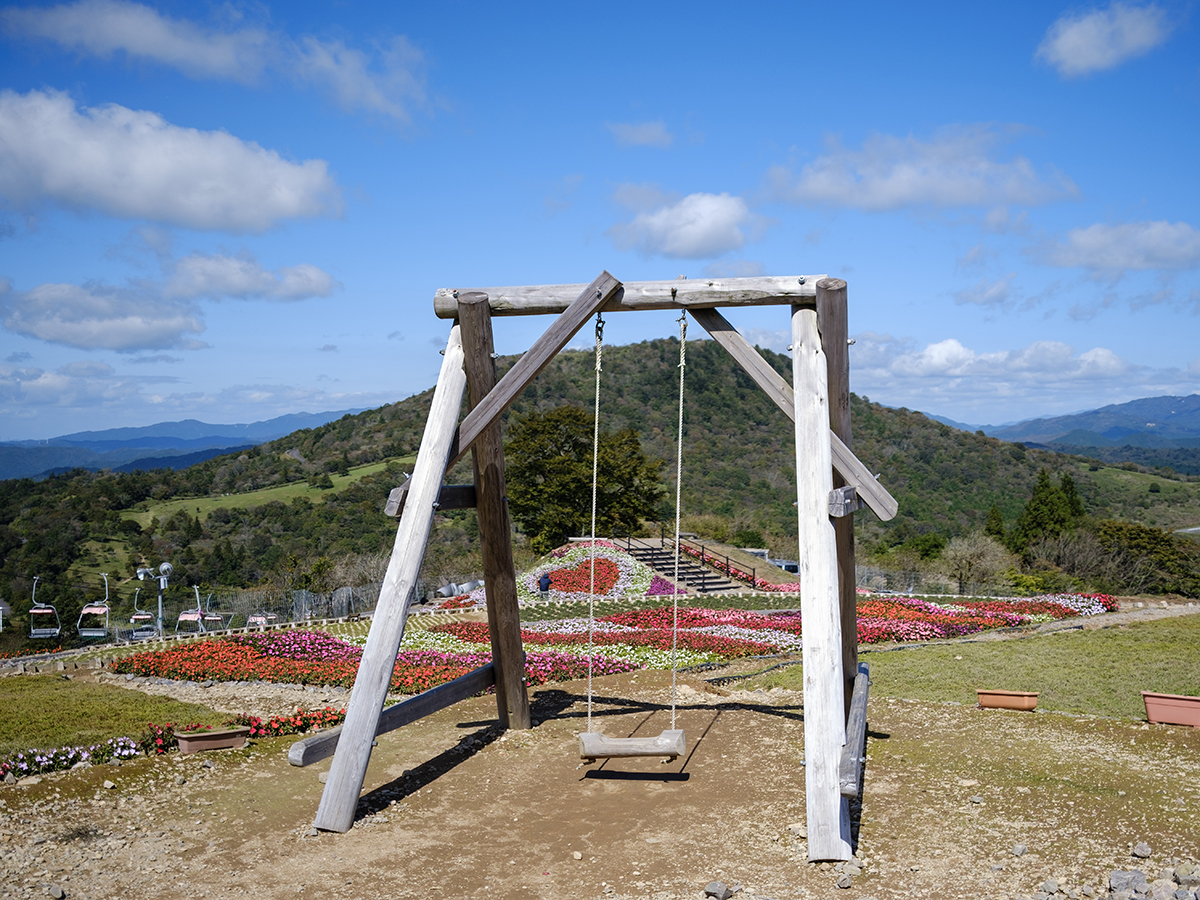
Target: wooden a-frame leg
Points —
{"points": [[833, 325], [828, 813], [340, 797], [495, 533]]}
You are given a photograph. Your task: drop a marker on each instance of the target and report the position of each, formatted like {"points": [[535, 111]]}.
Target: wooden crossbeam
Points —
{"points": [[874, 494], [541, 299], [322, 745], [340, 797], [588, 300]]}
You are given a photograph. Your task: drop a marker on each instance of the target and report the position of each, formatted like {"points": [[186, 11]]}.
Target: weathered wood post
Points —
{"points": [[340, 797], [495, 534], [828, 813], [832, 321]]}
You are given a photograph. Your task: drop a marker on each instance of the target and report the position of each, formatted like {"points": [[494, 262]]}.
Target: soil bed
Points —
{"points": [[453, 809]]}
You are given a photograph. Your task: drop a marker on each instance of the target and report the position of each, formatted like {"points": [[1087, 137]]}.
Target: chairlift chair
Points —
{"points": [[213, 621], [261, 619], [40, 617], [142, 622], [93, 612], [191, 620]]}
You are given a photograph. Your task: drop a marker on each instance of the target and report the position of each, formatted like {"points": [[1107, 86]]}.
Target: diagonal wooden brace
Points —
{"points": [[536, 358], [845, 463]]}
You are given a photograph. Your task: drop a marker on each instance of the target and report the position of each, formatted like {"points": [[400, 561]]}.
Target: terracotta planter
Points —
{"points": [[1025, 700], [212, 740], [1172, 709]]}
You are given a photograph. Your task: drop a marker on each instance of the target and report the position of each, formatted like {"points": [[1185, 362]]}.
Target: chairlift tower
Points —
{"points": [[164, 573]]}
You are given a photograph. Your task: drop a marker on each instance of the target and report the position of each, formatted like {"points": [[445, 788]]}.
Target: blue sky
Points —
{"points": [[231, 211]]}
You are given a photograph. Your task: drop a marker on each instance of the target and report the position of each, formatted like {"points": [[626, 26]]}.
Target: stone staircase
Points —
{"points": [[696, 577]]}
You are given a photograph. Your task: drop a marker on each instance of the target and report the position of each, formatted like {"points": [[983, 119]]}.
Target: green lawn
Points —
{"points": [[1100, 672], [284, 493], [46, 711]]}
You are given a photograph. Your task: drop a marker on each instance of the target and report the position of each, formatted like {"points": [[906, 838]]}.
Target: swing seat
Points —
{"points": [[593, 746]]}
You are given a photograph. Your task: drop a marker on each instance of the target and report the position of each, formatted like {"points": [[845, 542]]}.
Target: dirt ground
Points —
{"points": [[452, 808]]}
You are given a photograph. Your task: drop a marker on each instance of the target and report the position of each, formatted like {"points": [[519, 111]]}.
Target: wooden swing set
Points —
{"points": [[831, 483]]}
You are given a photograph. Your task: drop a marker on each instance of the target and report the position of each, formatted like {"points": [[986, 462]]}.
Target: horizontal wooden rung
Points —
{"points": [[593, 746], [451, 496]]}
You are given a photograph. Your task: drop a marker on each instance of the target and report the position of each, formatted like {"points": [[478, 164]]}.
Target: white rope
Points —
{"points": [[678, 486], [595, 469]]}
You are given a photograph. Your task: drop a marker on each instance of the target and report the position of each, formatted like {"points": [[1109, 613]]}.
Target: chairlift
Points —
{"points": [[142, 622], [43, 617], [213, 621], [191, 620], [93, 612], [261, 619]]}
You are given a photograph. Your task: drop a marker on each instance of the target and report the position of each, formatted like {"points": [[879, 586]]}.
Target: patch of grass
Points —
{"points": [[1099, 672], [44, 711], [284, 493]]}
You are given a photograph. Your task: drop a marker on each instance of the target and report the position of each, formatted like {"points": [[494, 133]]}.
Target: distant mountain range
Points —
{"points": [[1154, 431], [174, 445]]}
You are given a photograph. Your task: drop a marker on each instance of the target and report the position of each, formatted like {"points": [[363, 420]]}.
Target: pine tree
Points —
{"points": [[1047, 514], [1066, 484], [994, 526]]}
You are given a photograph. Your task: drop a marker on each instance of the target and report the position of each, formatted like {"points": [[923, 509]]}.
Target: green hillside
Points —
{"points": [[282, 513]]}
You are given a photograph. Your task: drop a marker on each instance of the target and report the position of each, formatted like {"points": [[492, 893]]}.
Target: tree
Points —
{"points": [[1066, 484], [994, 526], [1047, 514], [974, 559], [549, 473]]}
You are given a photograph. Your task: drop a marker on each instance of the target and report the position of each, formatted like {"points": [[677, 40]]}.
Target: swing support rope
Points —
{"points": [[592, 538], [678, 487], [592, 545]]}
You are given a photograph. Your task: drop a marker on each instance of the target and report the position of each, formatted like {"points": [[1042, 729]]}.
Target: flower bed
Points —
{"points": [[37, 762], [558, 649]]}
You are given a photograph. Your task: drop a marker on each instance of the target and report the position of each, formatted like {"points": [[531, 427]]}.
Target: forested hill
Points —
{"points": [[320, 501]]}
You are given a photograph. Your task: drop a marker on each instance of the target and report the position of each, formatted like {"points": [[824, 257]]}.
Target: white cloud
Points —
{"points": [[241, 277], [1080, 43], [151, 315], [954, 168], [135, 165], [642, 134], [82, 384], [1131, 245], [98, 317], [58, 398], [985, 293], [387, 79], [104, 27], [698, 226], [348, 74], [1044, 378]]}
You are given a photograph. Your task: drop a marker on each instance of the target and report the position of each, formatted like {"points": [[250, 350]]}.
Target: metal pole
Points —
{"points": [[162, 583]]}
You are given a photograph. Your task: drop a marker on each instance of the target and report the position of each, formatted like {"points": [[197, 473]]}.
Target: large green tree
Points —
{"points": [[549, 472]]}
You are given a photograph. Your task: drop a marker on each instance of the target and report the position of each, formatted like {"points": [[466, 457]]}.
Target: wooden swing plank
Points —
{"points": [[850, 769], [495, 529], [322, 745], [340, 797], [593, 746], [845, 462], [591, 298], [543, 299], [828, 813]]}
